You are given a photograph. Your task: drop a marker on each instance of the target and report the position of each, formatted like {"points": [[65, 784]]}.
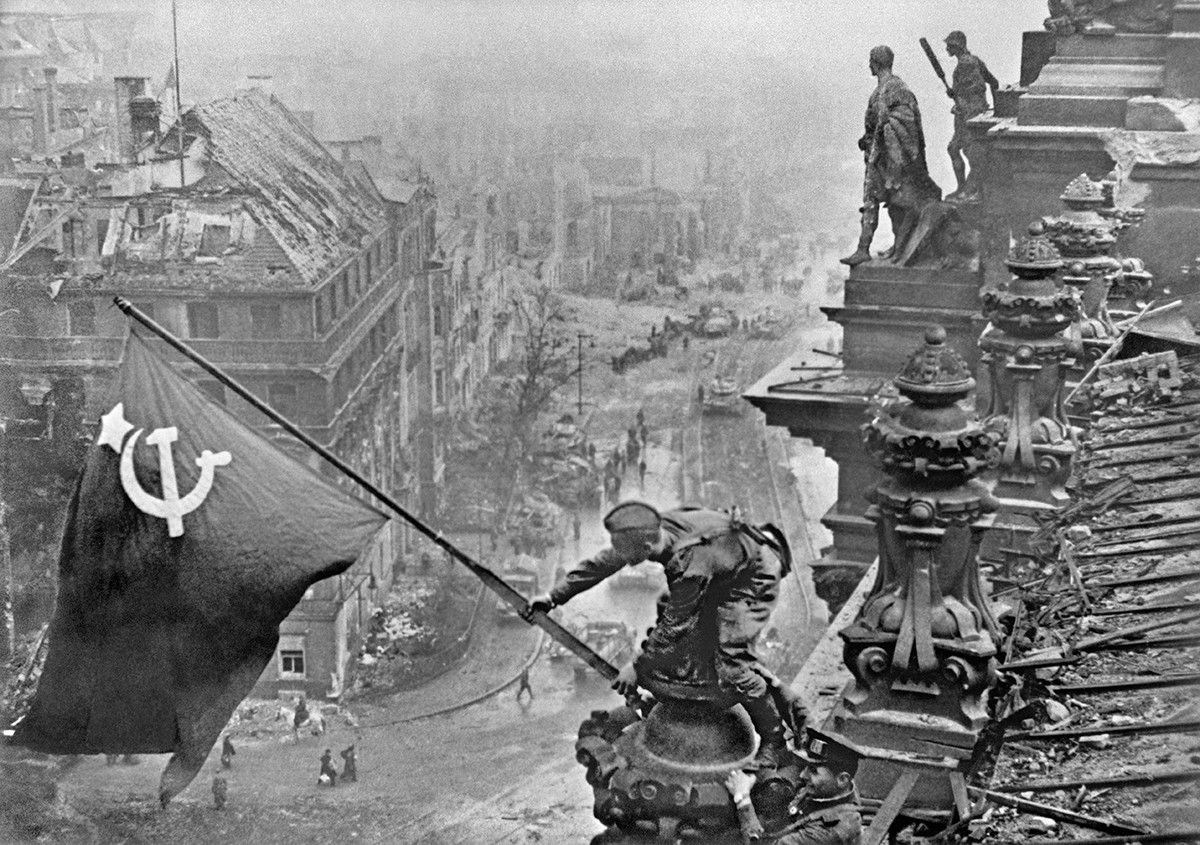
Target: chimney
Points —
{"points": [[264, 82], [41, 143], [51, 100], [126, 88]]}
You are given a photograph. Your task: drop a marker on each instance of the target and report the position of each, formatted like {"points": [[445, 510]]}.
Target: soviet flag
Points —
{"points": [[188, 540]]}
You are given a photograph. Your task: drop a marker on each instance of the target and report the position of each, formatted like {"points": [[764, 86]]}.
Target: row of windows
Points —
{"points": [[281, 395], [360, 360], [351, 284], [203, 319]]}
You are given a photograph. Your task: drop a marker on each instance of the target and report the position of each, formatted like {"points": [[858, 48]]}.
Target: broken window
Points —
{"points": [[214, 240], [439, 387], [202, 320], [346, 290], [101, 235], [81, 318], [438, 321], [266, 320], [333, 309], [291, 657]]}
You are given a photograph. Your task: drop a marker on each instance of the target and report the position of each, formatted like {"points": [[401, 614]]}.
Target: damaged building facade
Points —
{"points": [[306, 284]]}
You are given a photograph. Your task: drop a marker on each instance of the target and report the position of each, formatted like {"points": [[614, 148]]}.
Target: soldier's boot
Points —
{"points": [[870, 220], [768, 724]]}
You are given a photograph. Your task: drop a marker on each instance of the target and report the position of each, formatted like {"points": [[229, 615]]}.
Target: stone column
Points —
{"points": [[922, 649], [1027, 357]]}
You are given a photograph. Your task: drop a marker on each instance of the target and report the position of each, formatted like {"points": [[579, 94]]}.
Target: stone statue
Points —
{"points": [[1068, 17], [969, 91], [893, 148]]}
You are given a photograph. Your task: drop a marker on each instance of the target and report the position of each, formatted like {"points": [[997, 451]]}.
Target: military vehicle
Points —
{"points": [[614, 641], [521, 573], [723, 395], [767, 325]]}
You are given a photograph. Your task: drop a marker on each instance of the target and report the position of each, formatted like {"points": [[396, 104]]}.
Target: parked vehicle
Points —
{"points": [[614, 641], [643, 576], [723, 395], [521, 573]]}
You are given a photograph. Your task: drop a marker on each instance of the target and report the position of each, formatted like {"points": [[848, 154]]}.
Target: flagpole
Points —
{"points": [[493, 581], [178, 99]]}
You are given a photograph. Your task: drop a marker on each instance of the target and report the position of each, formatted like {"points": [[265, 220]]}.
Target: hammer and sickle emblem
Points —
{"points": [[170, 507]]}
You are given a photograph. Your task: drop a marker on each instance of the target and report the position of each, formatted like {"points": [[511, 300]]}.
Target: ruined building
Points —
{"points": [[259, 248]]}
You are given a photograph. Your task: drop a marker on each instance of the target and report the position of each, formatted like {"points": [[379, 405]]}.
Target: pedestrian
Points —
{"points": [[576, 525], [686, 340], [350, 766], [524, 687], [227, 752], [300, 717], [642, 472], [220, 789], [328, 775]]}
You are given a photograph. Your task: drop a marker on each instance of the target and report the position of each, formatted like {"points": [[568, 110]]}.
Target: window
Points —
{"points": [[333, 310], [439, 386], [266, 320], [346, 290], [202, 320], [438, 321], [214, 390], [291, 657], [101, 235], [320, 309], [214, 240], [82, 318], [282, 397], [370, 274]]}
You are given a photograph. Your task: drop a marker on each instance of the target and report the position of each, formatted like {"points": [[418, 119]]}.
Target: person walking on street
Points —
{"points": [[300, 717], [350, 766], [220, 790], [227, 752], [642, 473], [328, 775], [524, 687]]}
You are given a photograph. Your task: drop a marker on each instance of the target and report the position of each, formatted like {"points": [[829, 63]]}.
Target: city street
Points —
{"points": [[458, 760]]}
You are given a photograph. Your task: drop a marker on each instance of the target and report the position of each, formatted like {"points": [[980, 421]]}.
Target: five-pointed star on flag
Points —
{"points": [[113, 428]]}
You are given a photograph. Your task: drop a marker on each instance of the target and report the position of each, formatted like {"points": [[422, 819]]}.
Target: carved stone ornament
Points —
{"points": [[1027, 358], [1068, 17], [921, 649]]}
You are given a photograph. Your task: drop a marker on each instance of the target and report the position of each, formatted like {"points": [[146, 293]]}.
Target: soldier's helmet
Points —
{"points": [[957, 37], [632, 516], [821, 749]]}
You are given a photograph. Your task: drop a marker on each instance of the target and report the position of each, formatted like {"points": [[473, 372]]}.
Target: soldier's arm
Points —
{"points": [[588, 574], [992, 81]]}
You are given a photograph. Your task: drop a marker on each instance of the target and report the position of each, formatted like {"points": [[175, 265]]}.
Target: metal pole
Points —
{"points": [[178, 98], [579, 373], [497, 584]]}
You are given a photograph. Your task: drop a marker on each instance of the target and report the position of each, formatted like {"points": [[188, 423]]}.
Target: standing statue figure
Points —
{"points": [[723, 581], [969, 88], [893, 148]]}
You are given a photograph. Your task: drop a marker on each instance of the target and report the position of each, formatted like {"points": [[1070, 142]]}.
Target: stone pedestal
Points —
{"points": [[921, 651]]}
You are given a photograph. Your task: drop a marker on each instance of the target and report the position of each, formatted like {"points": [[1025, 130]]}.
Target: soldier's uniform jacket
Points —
{"points": [[708, 562], [836, 821], [970, 85]]}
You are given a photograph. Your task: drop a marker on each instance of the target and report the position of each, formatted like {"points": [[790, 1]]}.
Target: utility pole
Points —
{"points": [[580, 337]]}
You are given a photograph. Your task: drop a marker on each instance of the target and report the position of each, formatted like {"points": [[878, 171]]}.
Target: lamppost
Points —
{"points": [[580, 337]]}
